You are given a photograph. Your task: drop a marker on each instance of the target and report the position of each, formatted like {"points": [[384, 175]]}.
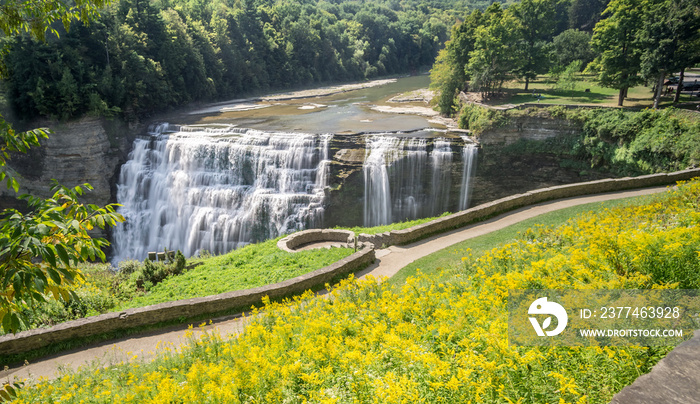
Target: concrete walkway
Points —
{"points": [[389, 261]]}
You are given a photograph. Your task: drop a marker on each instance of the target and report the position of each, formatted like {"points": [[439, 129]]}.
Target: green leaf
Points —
{"points": [[62, 254], [55, 276], [39, 284], [42, 229], [15, 322], [50, 256], [6, 322]]}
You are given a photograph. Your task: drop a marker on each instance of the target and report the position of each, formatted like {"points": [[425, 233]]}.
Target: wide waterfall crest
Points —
{"points": [[217, 188], [411, 177]]}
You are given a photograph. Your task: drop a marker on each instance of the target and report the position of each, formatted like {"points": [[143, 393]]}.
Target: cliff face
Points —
{"points": [[529, 128], [86, 151], [92, 150]]}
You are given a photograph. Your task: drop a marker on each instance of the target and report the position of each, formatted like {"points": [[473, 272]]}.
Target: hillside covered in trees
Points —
{"points": [[624, 43], [141, 56]]}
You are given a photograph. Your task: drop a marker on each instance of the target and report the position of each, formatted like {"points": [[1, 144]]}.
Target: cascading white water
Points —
{"points": [[469, 153], [406, 178], [409, 163], [441, 158], [218, 188], [377, 199]]}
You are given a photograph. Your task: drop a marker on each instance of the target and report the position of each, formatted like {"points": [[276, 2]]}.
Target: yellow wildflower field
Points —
{"points": [[427, 341]]}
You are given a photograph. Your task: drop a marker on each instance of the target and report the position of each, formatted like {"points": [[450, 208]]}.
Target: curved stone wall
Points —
{"points": [[292, 242], [486, 210], [189, 308], [182, 309]]}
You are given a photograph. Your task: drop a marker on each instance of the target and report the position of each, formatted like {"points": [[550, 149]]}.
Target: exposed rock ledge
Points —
{"points": [[88, 150], [416, 110]]}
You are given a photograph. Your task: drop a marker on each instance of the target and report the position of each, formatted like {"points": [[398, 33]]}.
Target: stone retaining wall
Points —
{"points": [[486, 210], [674, 380], [189, 308], [181, 309], [293, 241]]}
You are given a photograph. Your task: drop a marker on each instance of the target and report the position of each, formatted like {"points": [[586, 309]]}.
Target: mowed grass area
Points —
{"points": [[450, 259], [393, 226], [433, 338], [638, 97], [249, 267]]}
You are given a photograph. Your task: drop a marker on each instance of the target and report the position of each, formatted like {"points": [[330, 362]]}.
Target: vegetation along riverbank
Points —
{"points": [[617, 141]]}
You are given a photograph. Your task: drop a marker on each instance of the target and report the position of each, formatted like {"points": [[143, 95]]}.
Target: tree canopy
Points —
{"points": [[632, 42], [39, 249], [142, 56]]}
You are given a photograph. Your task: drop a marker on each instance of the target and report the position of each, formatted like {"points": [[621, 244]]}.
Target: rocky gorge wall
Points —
{"points": [[88, 150], [92, 150], [529, 128]]}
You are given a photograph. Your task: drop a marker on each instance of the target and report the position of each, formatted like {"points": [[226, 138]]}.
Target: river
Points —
{"points": [[342, 112], [224, 175]]}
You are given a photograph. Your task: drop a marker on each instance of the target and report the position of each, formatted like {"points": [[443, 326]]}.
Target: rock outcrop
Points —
{"points": [[529, 128], [89, 150]]}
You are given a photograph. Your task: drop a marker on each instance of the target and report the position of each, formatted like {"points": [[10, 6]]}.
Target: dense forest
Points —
{"points": [[141, 56], [622, 42]]}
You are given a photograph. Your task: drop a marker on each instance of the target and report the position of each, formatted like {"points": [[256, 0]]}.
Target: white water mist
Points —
{"points": [[218, 188]]}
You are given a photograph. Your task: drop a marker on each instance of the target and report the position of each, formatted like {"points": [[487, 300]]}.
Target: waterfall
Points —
{"points": [[409, 177], [377, 199], [409, 163], [217, 188], [440, 184], [469, 153]]}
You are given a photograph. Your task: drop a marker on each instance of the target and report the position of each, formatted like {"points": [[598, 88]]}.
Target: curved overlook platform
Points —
{"points": [[317, 238]]}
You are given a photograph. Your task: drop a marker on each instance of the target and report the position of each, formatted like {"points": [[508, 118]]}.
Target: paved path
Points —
{"points": [[389, 261]]}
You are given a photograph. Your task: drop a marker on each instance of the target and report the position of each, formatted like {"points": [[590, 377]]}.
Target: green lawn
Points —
{"points": [[251, 266], [392, 226], [640, 96], [451, 257]]}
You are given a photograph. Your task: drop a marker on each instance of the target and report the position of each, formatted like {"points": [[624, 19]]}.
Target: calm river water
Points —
{"points": [[347, 112]]}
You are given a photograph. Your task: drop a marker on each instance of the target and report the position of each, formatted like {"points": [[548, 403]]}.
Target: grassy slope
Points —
{"points": [[251, 266], [450, 258], [393, 226]]}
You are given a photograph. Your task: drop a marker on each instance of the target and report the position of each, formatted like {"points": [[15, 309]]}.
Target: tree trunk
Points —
{"points": [[527, 82], [679, 86], [659, 86], [621, 97]]}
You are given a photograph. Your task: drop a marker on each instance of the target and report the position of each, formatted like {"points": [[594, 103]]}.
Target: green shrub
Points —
{"points": [[641, 142], [479, 119]]}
